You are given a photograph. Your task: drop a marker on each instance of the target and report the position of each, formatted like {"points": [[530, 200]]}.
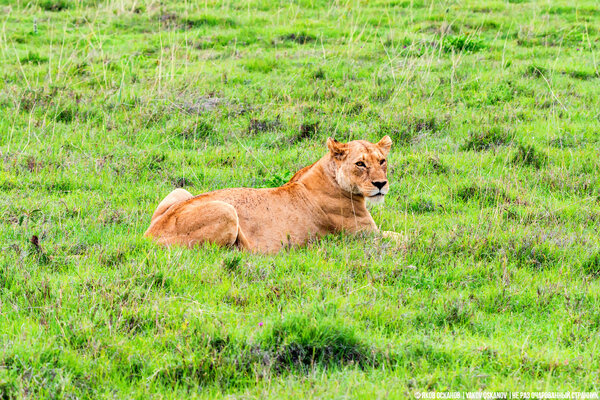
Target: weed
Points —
{"points": [[200, 129], [66, 115], [155, 161], [455, 313], [207, 20], [40, 254], [582, 74], [300, 38], [34, 58], [527, 155], [262, 125], [422, 206], [530, 254], [499, 94], [175, 21], [263, 65], [464, 43], [181, 182], [232, 264], [437, 165], [591, 266], [318, 74], [487, 195], [300, 342], [565, 142], [488, 138], [407, 129], [54, 5], [306, 130], [278, 179], [535, 71]]}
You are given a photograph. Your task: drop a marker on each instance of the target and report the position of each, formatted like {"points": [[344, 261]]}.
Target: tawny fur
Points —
{"points": [[326, 197]]}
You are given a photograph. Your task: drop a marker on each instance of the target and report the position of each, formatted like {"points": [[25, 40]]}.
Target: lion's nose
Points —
{"points": [[379, 184]]}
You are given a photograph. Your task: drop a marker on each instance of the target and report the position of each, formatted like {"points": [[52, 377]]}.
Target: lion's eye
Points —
{"points": [[360, 164], [382, 162]]}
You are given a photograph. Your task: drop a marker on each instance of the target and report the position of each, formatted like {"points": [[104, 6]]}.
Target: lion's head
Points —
{"points": [[361, 167]]}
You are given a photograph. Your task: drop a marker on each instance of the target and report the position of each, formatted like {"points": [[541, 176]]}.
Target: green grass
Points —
{"points": [[106, 106]]}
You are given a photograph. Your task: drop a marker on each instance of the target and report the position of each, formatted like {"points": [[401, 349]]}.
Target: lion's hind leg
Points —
{"points": [[175, 196], [199, 222]]}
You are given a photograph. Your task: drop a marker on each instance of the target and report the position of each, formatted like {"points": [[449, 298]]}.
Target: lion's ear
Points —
{"points": [[337, 149], [385, 144]]}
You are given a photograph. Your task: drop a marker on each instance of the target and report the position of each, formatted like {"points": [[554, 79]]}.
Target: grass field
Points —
{"points": [[107, 105]]}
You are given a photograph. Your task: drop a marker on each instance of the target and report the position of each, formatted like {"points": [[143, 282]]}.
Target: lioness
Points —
{"points": [[325, 197]]}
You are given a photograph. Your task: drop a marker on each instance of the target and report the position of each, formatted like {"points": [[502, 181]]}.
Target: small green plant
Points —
{"points": [[308, 129], [318, 74], [406, 128], [302, 342], [233, 263], [535, 71], [66, 115], [487, 138], [437, 165], [200, 129], [300, 38], [54, 5], [487, 195], [464, 43], [455, 313], [262, 65], [583, 75], [278, 179], [34, 58], [207, 20], [531, 254], [591, 265], [422, 206], [500, 94], [256, 126], [529, 156]]}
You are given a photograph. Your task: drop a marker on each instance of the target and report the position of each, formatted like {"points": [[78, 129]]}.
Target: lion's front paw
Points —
{"points": [[398, 238]]}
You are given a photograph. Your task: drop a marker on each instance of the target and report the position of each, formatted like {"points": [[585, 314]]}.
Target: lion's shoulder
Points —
{"points": [[300, 173]]}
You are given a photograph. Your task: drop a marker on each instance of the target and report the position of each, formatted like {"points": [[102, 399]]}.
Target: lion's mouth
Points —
{"points": [[376, 198]]}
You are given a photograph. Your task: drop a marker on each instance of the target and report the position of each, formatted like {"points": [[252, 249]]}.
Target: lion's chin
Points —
{"points": [[377, 199]]}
